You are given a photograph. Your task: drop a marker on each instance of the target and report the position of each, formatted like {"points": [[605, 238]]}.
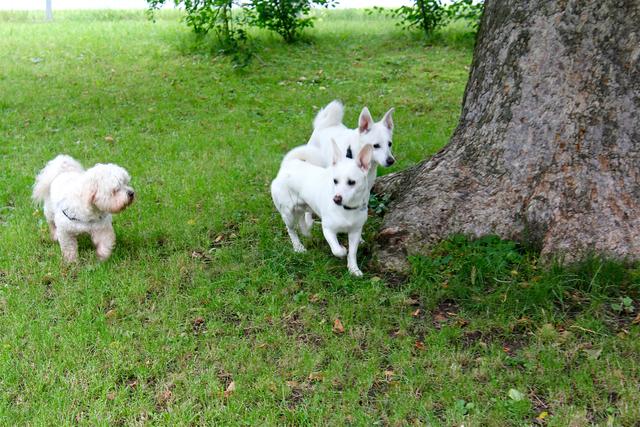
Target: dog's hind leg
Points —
{"points": [[52, 231], [290, 222], [69, 246], [306, 222], [48, 214]]}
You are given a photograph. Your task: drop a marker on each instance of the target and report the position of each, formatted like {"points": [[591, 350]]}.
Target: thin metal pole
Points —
{"points": [[48, 13]]}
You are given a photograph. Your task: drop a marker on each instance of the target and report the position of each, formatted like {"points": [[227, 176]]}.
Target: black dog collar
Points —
{"points": [[69, 217], [79, 220], [352, 208]]}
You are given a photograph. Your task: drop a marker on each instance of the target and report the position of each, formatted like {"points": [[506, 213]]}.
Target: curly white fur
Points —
{"points": [[80, 201]]}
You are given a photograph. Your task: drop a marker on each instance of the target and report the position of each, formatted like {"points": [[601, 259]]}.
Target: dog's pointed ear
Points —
{"points": [[388, 119], [336, 152], [365, 122], [364, 157]]}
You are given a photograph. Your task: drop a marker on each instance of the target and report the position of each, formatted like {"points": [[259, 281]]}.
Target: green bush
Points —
{"points": [[466, 10], [201, 15], [425, 14], [228, 18], [429, 15], [286, 17]]}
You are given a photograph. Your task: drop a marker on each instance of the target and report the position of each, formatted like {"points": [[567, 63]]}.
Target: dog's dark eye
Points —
{"points": [[376, 145], [351, 182], [390, 143], [335, 181]]}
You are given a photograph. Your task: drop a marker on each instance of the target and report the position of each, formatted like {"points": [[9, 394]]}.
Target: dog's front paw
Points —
{"points": [[340, 252], [299, 248], [70, 258], [355, 271]]}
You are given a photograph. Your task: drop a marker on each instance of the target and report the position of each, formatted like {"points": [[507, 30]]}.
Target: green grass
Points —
{"points": [[203, 288]]}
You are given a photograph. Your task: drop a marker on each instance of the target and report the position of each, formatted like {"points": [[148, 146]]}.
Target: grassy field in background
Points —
{"points": [[203, 289]]}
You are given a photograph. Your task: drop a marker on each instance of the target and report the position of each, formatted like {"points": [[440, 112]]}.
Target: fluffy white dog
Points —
{"points": [[338, 194], [81, 201], [327, 126]]}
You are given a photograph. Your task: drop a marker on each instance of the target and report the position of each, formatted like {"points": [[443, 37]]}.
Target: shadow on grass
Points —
{"points": [[501, 278]]}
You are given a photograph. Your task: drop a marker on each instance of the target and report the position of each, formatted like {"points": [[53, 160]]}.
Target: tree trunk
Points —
{"points": [[547, 149]]}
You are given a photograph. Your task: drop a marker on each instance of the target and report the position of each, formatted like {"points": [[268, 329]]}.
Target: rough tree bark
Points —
{"points": [[547, 149]]}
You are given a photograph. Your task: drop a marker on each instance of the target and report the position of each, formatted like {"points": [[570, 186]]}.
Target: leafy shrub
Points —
{"points": [[205, 16], [227, 18], [221, 17], [429, 15], [466, 10], [425, 14], [286, 17]]}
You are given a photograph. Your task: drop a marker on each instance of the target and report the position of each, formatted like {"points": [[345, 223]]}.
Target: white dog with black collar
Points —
{"points": [[338, 194], [77, 201]]}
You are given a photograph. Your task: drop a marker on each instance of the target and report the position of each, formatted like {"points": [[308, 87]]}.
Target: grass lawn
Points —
{"points": [[203, 289]]}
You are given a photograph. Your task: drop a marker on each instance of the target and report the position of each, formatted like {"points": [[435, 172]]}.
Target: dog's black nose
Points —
{"points": [[337, 200], [131, 194], [390, 161]]}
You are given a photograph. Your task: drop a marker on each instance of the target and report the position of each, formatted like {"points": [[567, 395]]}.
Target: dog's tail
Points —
{"points": [[55, 167], [305, 153], [331, 115]]}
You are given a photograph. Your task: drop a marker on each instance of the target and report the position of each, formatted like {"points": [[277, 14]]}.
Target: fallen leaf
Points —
{"points": [[111, 395], [316, 376], [462, 322], [542, 415], [230, 389], [420, 345], [440, 318], [109, 138], [199, 324], [515, 395], [110, 313], [293, 384], [411, 301], [337, 327], [593, 354], [396, 333], [164, 397]]}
